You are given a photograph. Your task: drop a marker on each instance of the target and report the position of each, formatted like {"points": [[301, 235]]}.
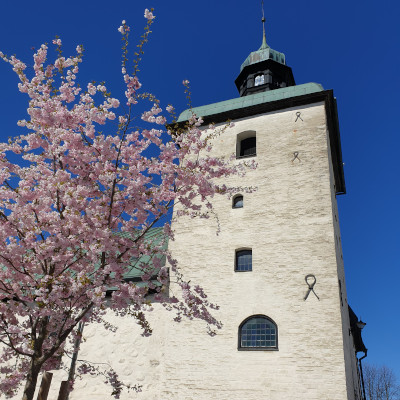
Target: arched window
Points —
{"points": [[237, 201], [244, 260], [246, 144], [258, 332]]}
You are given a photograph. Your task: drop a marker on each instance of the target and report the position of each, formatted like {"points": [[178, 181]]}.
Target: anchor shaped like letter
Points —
{"points": [[311, 280]]}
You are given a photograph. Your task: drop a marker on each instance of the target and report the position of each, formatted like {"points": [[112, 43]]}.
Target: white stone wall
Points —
{"points": [[290, 224]]}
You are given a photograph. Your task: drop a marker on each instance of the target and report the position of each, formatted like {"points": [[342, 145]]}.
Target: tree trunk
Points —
{"points": [[31, 381]]}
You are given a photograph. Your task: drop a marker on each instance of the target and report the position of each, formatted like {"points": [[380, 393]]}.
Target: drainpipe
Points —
{"points": [[361, 371]]}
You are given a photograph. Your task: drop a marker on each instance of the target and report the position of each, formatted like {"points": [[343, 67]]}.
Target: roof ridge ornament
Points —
{"points": [[264, 44]]}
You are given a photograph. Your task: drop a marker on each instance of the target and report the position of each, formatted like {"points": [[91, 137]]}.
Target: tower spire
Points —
{"points": [[264, 69], [264, 44]]}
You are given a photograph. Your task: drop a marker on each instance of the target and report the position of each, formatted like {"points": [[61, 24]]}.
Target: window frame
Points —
{"points": [[236, 259], [240, 137], [275, 348]]}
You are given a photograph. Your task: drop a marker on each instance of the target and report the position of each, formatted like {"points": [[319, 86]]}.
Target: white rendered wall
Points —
{"points": [[136, 359], [289, 225]]}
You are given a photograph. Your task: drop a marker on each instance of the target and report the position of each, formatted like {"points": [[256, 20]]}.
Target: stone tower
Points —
{"points": [[276, 267]]}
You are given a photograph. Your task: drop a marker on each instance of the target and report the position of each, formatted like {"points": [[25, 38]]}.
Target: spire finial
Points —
{"points": [[264, 44]]}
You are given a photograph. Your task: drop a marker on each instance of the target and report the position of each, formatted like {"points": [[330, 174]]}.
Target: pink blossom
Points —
{"points": [[148, 14], [91, 89], [124, 28], [114, 102]]}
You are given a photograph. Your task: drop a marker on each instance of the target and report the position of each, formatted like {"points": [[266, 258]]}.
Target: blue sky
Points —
{"points": [[349, 46]]}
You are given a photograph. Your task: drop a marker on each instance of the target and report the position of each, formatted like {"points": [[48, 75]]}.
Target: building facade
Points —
{"points": [[272, 261]]}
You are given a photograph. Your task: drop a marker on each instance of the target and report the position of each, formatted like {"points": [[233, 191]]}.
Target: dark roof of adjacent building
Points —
{"points": [[356, 332]]}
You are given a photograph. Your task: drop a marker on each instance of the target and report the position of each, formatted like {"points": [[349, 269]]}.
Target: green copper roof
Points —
{"points": [[251, 100], [262, 54], [154, 237]]}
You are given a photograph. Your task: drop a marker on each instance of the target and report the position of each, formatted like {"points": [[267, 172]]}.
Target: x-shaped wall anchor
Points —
{"points": [[298, 115], [296, 156]]}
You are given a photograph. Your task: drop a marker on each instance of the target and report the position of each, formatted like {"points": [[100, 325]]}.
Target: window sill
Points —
{"points": [[257, 349], [248, 156]]}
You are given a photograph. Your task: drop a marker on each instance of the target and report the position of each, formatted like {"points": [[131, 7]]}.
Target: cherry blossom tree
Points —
{"points": [[84, 174]]}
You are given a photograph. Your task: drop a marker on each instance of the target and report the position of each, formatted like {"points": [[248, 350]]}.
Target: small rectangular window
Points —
{"points": [[244, 260]]}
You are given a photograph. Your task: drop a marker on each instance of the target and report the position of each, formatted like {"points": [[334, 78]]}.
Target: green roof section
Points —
{"points": [[262, 54], [155, 237], [251, 100]]}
